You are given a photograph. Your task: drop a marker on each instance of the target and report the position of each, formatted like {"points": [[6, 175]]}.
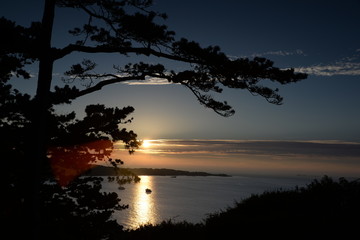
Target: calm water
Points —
{"points": [[189, 198]]}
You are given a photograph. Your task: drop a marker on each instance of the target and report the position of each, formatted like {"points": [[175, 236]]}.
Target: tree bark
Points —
{"points": [[40, 120]]}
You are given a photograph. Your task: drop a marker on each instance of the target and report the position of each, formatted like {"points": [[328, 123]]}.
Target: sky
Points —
{"points": [[321, 38]]}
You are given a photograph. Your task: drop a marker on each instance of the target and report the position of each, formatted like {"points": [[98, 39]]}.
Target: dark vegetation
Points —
{"points": [[324, 209], [109, 171]]}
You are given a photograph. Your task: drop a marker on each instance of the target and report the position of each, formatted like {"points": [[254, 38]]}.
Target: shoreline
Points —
{"points": [[109, 171]]}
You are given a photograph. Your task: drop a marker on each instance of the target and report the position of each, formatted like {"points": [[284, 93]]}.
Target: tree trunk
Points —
{"points": [[40, 119]]}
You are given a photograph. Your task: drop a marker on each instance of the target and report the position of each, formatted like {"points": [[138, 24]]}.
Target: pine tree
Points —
{"points": [[41, 144]]}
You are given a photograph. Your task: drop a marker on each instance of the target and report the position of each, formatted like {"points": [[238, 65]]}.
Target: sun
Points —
{"points": [[146, 143]]}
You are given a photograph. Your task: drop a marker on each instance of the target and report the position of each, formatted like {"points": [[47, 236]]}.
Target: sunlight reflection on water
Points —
{"points": [[142, 206]]}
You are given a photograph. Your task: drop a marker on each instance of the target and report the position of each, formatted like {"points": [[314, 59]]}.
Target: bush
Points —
{"points": [[168, 230], [323, 208]]}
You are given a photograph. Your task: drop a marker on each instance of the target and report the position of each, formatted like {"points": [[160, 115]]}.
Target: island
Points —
{"points": [[109, 171]]}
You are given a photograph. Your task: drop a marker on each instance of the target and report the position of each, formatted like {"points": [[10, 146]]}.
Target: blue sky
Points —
{"points": [[321, 38]]}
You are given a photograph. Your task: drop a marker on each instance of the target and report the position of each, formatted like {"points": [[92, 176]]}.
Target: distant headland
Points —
{"points": [[109, 171]]}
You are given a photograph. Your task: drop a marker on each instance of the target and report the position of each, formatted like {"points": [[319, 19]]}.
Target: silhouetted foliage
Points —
{"points": [[168, 230], [40, 144], [70, 207], [80, 211], [324, 208]]}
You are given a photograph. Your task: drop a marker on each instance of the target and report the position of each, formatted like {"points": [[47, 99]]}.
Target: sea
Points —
{"points": [[190, 198]]}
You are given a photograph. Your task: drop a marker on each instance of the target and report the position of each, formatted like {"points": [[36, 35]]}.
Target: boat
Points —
{"points": [[148, 190]]}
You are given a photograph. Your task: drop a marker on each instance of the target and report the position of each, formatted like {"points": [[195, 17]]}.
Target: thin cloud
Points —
{"points": [[347, 66], [283, 53], [337, 69], [328, 149], [149, 81], [243, 156]]}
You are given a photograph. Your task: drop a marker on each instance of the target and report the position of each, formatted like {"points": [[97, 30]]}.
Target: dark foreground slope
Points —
{"points": [[324, 209]]}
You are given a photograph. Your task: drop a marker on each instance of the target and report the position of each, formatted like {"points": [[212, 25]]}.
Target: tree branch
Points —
{"points": [[223, 109], [93, 14], [103, 83], [60, 53]]}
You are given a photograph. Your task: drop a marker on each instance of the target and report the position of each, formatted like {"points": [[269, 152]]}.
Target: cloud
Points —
{"points": [[321, 149], [283, 53], [149, 81], [280, 53], [347, 66], [244, 156], [339, 68]]}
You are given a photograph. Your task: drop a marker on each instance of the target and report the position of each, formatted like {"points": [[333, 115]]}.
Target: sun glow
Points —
{"points": [[146, 143]]}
